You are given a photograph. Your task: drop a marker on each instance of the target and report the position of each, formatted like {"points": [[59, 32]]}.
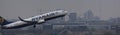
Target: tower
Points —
{"points": [[88, 14]]}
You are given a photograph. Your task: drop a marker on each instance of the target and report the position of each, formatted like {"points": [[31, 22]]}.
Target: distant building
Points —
{"points": [[72, 17], [115, 20], [47, 27], [60, 19], [90, 16], [96, 18]]}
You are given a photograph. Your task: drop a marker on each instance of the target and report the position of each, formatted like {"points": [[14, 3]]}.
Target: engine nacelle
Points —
{"points": [[41, 21]]}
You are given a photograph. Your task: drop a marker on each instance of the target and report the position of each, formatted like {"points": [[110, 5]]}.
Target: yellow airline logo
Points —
{"points": [[1, 20]]}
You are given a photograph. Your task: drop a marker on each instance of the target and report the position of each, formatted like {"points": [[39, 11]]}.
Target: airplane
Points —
{"points": [[39, 19]]}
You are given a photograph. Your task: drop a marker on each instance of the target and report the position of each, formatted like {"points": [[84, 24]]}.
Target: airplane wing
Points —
{"points": [[34, 22], [39, 21]]}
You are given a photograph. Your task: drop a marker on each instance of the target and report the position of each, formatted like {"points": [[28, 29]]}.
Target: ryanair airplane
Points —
{"points": [[39, 19]]}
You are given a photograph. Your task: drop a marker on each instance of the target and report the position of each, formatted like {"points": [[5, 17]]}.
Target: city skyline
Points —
{"points": [[85, 17]]}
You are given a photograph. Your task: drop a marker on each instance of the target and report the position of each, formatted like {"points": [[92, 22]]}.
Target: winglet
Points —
{"points": [[22, 19], [34, 25]]}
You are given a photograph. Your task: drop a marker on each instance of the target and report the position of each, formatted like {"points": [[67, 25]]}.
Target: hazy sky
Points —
{"points": [[11, 9]]}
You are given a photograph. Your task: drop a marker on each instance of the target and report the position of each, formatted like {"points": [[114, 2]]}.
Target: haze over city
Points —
{"points": [[11, 9]]}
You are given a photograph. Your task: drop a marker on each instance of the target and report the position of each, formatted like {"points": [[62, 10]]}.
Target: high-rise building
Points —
{"points": [[88, 15], [72, 17]]}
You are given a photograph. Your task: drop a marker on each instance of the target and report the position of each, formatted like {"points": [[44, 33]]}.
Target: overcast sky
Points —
{"points": [[11, 9]]}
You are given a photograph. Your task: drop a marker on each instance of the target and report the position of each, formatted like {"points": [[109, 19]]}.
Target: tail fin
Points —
{"points": [[2, 21]]}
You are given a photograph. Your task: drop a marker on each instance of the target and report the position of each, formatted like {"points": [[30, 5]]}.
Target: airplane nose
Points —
{"points": [[65, 11]]}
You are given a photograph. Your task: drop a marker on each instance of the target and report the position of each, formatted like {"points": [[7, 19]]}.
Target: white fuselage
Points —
{"points": [[36, 18]]}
